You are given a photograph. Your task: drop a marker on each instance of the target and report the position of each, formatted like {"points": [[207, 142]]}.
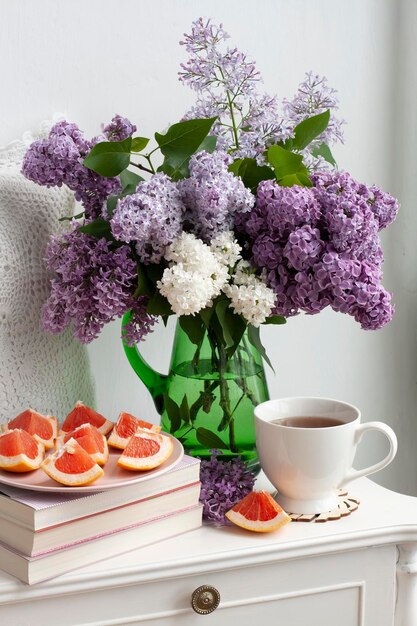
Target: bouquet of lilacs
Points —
{"points": [[245, 221]]}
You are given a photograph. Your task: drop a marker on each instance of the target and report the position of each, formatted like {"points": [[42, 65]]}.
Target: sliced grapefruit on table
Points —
{"points": [[259, 512], [126, 425], [89, 438], [43, 428], [145, 450], [71, 465], [82, 414], [19, 451]]}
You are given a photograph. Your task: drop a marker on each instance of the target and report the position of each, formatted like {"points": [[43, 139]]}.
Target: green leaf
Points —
{"points": [[255, 339], [299, 178], [287, 144], [97, 228], [109, 158], [71, 217], [158, 305], [138, 144], [251, 173], [154, 272], [173, 412], [234, 167], [179, 143], [309, 129], [324, 151], [129, 179], [210, 440], [144, 288], [283, 161], [208, 144], [185, 410], [194, 328], [221, 311], [233, 326], [206, 315], [275, 319]]}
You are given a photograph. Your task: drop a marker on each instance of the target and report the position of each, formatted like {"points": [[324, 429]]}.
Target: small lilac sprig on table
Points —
{"points": [[223, 484], [247, 221]]}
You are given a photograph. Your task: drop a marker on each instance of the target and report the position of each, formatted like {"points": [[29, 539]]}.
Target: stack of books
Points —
{"points": [[43, 535]]}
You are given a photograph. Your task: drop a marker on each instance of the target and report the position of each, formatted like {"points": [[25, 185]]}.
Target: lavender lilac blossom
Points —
{"points": [[92, 285], [59, 159], [151, 218], [226, 82], [213, 195], [319, 246], [314, 96], [119, 128], [223, 484]]}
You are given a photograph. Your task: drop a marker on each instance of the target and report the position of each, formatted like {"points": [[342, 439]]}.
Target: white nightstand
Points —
{"points": [[342, 573]]}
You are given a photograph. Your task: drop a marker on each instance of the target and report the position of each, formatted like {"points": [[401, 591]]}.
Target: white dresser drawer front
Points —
{"points": [[348, 589]]}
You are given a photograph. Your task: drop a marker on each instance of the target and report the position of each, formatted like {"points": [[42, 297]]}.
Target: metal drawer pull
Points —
{"points": [[205, 599]]}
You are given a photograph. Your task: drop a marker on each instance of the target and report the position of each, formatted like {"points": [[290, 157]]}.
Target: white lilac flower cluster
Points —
{"points": [[249, 295], [194, 277], [198, 273]]}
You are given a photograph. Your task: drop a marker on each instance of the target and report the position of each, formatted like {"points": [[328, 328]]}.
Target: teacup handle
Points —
{"points": [[392, 438]]}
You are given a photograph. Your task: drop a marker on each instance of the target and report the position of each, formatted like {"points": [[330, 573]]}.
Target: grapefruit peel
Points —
{"points": [[28, 453], [83, 414], [126, 426], [68, 457], [258, 512], [145, 450], [89, 438], [35, 424]]}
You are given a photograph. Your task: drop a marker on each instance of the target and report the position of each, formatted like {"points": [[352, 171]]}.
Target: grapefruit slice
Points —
{"points": [[89, 438], [43, 428], [126, 425], [82, 414], [72, 465], [259, 512], [145, 450], [19, 451]]}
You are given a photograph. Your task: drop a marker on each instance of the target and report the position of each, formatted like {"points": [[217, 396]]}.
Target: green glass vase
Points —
{"points": [[207, 398]]}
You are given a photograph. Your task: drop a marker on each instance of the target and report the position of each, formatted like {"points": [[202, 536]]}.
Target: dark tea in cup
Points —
{"points": [[307, 421]]}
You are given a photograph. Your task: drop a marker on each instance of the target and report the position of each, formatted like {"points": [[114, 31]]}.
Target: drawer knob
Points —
{"points": [[205, 599]]}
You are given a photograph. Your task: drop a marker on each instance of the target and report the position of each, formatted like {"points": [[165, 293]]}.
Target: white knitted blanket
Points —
{"points": [[37, 370]]}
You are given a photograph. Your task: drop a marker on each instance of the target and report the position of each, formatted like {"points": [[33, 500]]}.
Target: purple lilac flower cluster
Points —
{"points": [[59, 159], [223, 484], [204, 203], [226, 83], [315, 96], [92, 285], [151, 218], [213, 195], [120, 128], [140, 323], [319, 246]]}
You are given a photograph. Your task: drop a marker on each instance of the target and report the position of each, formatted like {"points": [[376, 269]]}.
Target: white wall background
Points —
{"points": [[93, 58]]}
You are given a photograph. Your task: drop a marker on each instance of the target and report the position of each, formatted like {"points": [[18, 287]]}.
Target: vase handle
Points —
{"points": [[153, 380]]}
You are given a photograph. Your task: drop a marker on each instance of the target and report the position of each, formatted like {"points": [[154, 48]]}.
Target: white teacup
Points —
{"points": [[306, 456]]}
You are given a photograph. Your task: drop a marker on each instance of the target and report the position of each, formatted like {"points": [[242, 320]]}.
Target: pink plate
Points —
{"points": [[114, 476]]}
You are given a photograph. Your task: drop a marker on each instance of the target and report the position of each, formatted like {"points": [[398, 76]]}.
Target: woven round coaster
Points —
{"points": [[347, 505]]}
